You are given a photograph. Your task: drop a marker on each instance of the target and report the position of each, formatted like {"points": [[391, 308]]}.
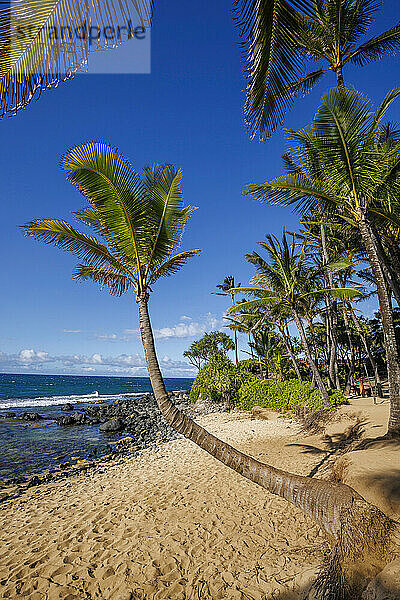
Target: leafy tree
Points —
{"points": [[218, 380], [285, 38], [211, 343], [139, 220]]}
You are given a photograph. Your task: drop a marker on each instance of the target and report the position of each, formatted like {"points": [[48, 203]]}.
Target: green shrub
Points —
{"points": [[282, 395], [219, 380]]}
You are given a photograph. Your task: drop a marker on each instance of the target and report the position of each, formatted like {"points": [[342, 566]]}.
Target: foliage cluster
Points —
{"points": [[219, 380], [283, 395]]}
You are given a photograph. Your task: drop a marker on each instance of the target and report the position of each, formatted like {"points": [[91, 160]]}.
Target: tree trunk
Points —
{"points": [[250, 346], [331, 315], [235, 334], [387, 263], [346, 305], [313, 366], [344, 515], [289, 348], [339, 78], [367, 350], [385, 306]]}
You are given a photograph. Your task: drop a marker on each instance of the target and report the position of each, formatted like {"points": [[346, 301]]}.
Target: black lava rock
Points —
{"points": [[31, 416], [74, 419], [67, 407], [34, 481], [112, 426]]}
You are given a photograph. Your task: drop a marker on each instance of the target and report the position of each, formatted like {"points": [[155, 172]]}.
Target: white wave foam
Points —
{"points": [[58, 400]]}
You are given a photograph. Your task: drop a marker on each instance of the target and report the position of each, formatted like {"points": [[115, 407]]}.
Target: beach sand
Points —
{"points": [[173, 523]]}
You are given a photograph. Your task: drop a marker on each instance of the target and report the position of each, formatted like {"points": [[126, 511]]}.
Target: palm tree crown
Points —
{"points": [[138, 220], [283, 39]]}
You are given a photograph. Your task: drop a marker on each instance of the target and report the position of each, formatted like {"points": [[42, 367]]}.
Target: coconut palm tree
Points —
{"points": [[285, 38], [284, 282], [227, 287], [138, 222], [358, 180]]}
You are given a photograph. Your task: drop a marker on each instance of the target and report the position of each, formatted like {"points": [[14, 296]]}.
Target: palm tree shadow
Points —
{"points": [[378, 443], [334, 444]]}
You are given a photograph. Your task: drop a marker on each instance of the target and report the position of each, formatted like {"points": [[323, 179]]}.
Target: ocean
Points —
{"points": [[28, 448]]}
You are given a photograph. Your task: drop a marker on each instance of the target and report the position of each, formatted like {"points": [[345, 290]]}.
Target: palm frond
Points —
{"points": [[162, 185], [376, 48], [117, 282], [347, 293], [262, 302], [44, 42], [269, 32], [110, 183], [172, 265], [66, 237]]}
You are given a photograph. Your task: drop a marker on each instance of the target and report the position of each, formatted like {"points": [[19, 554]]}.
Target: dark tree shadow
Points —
{"points": [[378, 443], [334, 444]]}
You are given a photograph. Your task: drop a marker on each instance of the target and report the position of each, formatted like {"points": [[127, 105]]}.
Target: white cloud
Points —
{"points": [[188, 329], [31, 356], [72, 330], [186, 318], [123, 364], [111, 337]]}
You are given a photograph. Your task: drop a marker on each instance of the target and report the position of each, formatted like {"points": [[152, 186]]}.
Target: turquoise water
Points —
{"points": [[33, 447]]}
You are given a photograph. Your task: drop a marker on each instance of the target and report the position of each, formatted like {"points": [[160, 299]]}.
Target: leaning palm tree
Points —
{"points": [[284, 38], [358, 180], [43, 42], [138, 222]]}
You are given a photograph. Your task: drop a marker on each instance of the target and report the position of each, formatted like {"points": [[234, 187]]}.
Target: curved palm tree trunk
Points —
{"points": [[343, 514], [314, 369], [385, 305]]}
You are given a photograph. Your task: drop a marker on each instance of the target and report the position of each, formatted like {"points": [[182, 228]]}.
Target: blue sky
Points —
{"points": [[187, 111]]}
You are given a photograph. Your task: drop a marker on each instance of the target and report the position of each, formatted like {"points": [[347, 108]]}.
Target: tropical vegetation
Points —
{"points": [[137, 222], [306, 337]]}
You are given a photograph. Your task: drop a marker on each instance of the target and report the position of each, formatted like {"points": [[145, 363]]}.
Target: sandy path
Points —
{"points": [[173, 523]]}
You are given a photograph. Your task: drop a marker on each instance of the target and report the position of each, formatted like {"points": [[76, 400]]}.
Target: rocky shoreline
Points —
{"points": [[131, 424]]}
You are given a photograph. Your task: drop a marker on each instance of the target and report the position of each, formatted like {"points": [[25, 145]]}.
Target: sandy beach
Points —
{"points": [[173, 523]]}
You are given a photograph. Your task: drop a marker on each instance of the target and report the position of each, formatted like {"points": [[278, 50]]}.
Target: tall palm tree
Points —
{"points": [[358, 180], [284, 282], [285, 38], [43, 42], [227, 287], [138, 222]]}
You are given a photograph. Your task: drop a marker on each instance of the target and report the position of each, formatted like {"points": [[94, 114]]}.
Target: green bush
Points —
{"points": [[282, 395], [219, 380]]}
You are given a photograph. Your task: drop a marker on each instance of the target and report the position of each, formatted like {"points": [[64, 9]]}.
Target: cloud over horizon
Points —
{"points": [[39, 361]]}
